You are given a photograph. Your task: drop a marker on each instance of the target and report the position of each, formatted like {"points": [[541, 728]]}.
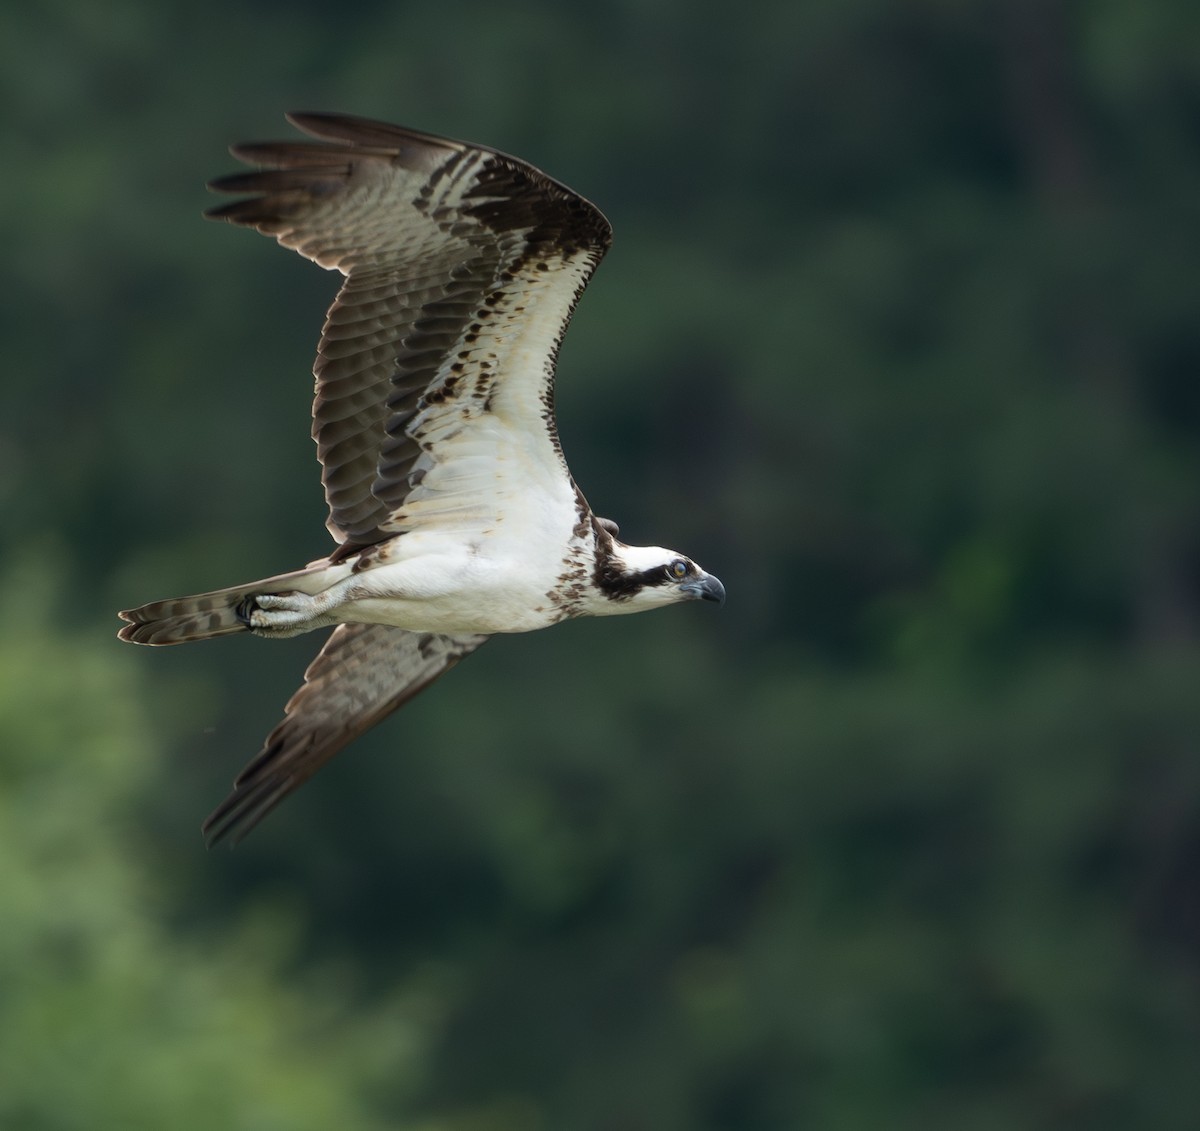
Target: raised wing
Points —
{"points": [[436, 363], [364, 673]]}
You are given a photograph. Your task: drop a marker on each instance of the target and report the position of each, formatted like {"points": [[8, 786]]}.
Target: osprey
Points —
{"points": [[454, 514]]}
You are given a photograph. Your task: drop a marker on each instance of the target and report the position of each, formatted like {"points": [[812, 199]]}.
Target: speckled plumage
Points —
{"points": [[451, 504]]}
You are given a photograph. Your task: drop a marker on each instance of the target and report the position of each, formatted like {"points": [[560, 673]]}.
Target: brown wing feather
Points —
{"points": [[363, 674], [444, 245]]}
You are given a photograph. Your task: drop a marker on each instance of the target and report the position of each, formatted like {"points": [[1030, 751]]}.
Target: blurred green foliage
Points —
{"points": [[899, 337]]}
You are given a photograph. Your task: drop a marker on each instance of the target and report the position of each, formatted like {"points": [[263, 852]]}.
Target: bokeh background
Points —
{"points": [[899, 337]]}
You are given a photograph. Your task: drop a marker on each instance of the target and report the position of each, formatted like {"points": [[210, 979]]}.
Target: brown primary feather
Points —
{"points": [[364, 673]]}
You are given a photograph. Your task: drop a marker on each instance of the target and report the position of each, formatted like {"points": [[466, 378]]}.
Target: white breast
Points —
{"points": [[469, 572]]}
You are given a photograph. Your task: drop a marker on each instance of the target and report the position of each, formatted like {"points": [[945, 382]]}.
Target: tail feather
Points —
{"points": [[208, 615]]}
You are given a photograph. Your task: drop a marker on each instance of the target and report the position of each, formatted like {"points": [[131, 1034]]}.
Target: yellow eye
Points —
{"points": [[679, 569]]}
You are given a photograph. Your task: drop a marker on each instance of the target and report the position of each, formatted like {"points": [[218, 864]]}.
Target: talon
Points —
{"points": [[245, 610]]}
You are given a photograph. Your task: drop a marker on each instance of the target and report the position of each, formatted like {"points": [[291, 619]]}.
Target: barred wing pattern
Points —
{"points": [[462, 268], [363, 674]]}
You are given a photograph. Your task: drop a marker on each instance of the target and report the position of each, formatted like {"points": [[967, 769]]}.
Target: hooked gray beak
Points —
{"points": [[705, 588]]}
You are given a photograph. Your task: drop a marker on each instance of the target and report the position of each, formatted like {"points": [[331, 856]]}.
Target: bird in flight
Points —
{"points": [[454, 514]]}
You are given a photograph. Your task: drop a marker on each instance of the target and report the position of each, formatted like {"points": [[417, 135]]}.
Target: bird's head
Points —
{"points": [[632, 578]]}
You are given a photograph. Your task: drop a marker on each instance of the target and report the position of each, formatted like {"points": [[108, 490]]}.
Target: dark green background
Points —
{"points": [[899, 337]]}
